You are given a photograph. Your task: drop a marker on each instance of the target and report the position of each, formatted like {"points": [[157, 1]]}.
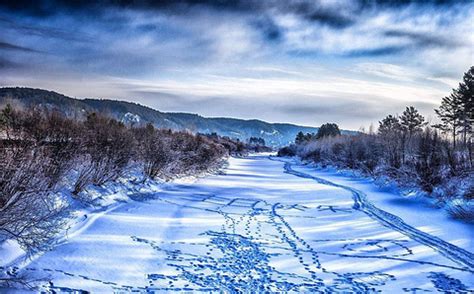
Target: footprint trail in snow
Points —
{"points": [[261, 227]]}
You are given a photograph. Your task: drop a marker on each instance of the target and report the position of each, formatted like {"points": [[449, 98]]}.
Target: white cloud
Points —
{"points": [[201, 55]]}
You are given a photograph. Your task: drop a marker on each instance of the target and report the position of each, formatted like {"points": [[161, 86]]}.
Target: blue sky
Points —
{"points": [[307, 62]]}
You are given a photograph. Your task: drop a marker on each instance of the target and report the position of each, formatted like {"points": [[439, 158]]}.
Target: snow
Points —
{"points": [[264, 225], [412, 209], [9, 251], [131, 118]]}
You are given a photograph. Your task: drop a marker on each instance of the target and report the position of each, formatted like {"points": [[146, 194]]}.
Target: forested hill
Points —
{"points": [[275, 134]]}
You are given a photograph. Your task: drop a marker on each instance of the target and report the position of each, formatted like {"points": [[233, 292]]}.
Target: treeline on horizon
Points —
{"points": [[43, 152], [405, 150]]}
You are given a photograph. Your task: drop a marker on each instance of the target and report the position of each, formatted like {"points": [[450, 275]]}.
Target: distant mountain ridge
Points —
{"points": [[275, 134]]}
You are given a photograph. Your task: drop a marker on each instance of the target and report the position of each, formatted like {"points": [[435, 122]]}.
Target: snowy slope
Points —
{"points": [[265, 225], [413, 210]]}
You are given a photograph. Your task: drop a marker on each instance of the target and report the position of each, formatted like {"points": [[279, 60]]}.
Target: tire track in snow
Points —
{"points": [[361, 203]]}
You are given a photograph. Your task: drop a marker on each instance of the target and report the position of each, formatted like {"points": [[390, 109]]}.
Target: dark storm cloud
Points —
{"points": [[401, 3], [330, 16], [310, 10], [9, 46], [48, 7], [413, 41], [375, 52], [244, 58], [423, 39], [6, 64], [270, 30], [41, 31]]}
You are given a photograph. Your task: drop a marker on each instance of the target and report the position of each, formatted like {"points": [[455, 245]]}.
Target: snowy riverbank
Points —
{"points": [[262, 225], [91, 204], [415, 210]]}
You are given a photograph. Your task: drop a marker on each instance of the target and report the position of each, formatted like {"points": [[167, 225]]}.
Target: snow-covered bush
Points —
{"points": [[462, 209], [29, 211], [287, 151], [402, 153], [153, 151], [42, 151], [105, 147], [234, 147]]}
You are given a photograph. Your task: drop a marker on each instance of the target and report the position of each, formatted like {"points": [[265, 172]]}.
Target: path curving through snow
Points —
{"points": [[460, 256], [263, 226]]}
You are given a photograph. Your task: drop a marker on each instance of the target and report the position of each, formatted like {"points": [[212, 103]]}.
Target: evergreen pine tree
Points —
{"points": [[411, 121], [300, 138], [449, 113], [389, 125], [390, 133], [466, 97], [327, 130]]}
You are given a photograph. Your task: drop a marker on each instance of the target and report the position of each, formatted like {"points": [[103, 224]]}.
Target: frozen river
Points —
{"points": [[262, 226]]}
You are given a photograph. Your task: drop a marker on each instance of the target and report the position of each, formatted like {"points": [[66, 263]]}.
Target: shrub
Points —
{"points": [[463, 210], [40, 148], [286, 151]]}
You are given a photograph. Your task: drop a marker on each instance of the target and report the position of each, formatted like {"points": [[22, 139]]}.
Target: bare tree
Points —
{"points": [[29, 212], [154, 152]]}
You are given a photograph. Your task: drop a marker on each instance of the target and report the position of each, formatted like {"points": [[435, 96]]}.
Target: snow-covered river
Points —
{"points": [[263, 226]]}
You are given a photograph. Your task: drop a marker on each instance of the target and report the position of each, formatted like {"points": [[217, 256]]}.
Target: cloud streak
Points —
{"points": [[242, 58]]}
